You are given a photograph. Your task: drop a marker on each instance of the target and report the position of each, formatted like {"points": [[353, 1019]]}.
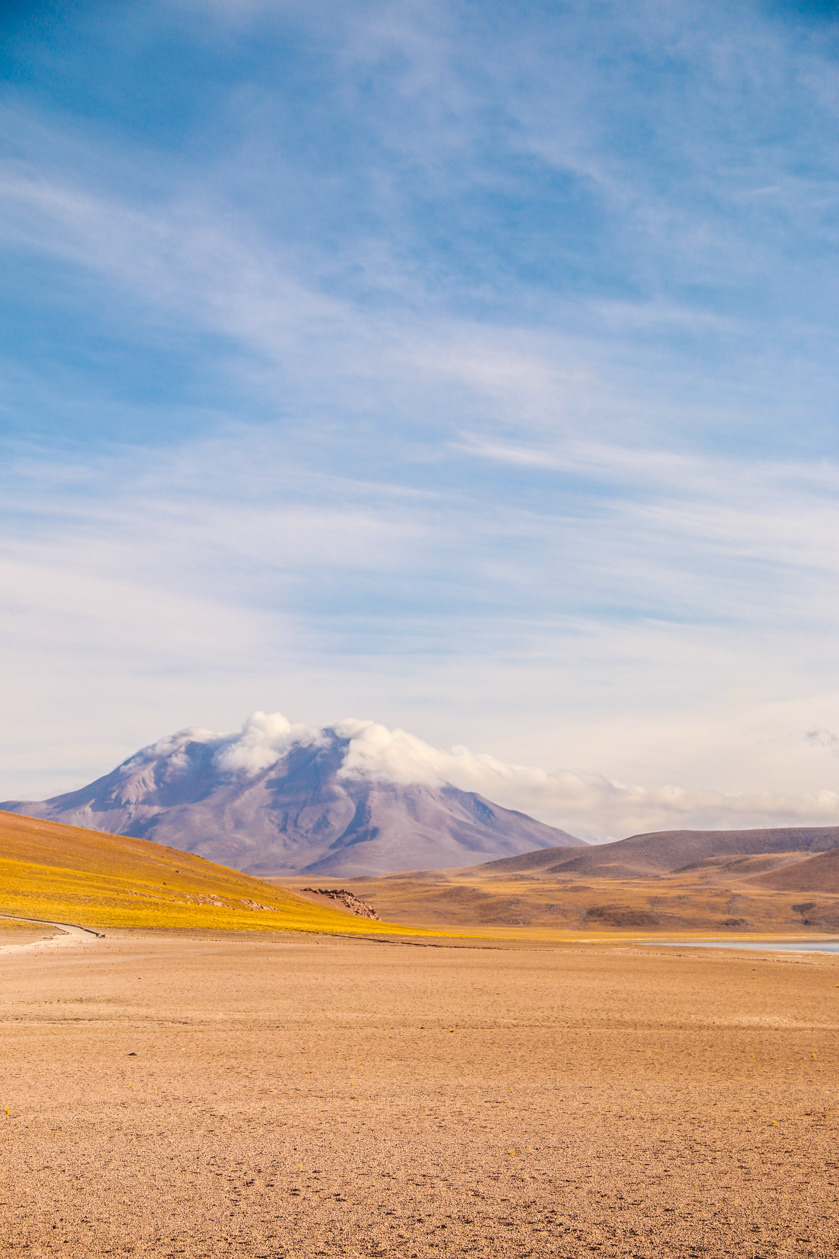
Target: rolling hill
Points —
{"points": [[666, 852], [780, 881], [67, 874], [819, 873], [291, 804]]}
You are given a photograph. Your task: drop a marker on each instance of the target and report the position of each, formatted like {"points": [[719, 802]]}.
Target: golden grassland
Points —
{"points": [[717, 900], [60, 873], [67, 874]]}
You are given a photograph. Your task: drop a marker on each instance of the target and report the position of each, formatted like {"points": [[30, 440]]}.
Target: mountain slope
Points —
{"points": [[288, 805], [666, 852], [819, 873], [67, 874]]}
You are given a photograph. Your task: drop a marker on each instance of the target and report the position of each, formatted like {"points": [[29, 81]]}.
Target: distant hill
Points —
{"points": [[779, 881], [540, 861], [291, 809], [67, 874], [815, 874], [666, 852]]}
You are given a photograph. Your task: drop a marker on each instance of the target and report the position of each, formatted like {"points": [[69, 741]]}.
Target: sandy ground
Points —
{"points": [[294, 1097], [32, 936], [13, 933]]}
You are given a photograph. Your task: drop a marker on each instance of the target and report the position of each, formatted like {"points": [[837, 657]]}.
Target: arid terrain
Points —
{"points": [[13, 932], [719, 883], [709, 903], [69, 874], [298, 1096], [544, 1084]]}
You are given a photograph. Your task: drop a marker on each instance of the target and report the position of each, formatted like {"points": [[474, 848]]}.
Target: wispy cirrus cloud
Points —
{"points": [[470, 368]]}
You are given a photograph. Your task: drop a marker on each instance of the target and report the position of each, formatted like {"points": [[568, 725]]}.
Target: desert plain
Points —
{"points": [[213, 1094]]}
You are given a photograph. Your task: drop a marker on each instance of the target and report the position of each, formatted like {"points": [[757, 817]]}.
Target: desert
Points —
{"points": [[735, 883], [329, 1084], [280, 1096]]}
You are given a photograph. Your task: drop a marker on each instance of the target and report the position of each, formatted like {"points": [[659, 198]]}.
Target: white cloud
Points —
{"points": [[356, 554], [380, 754], [592, 806], [187, 587], [264, 740]]}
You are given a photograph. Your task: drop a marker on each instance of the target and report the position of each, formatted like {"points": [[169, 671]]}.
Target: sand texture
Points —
{"points": [[298, 1096], [14, 932]]}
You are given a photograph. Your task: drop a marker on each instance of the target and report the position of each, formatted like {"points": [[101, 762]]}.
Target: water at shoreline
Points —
{"points": [[790, 946]]}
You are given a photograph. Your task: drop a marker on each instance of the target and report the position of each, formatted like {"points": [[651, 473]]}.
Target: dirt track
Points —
{"points": [[35, 935], [312, 1097]]}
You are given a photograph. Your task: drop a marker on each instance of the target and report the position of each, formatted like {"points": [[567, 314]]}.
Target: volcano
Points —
{"points": [[282, 800]]}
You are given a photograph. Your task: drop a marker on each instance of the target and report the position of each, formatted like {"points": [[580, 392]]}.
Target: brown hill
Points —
{"points": [[665, 852], [814, 874], [778, 880], [531, 863]]}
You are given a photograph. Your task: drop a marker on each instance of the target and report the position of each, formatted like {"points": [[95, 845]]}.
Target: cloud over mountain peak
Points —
{"points": [[282, 798], [363, 786]]}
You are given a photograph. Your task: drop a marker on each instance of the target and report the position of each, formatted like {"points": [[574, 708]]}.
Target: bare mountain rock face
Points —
{"points": [[302, 813]]}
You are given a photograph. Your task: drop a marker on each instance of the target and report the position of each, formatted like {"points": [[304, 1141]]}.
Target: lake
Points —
{"points": [[791, 946]]}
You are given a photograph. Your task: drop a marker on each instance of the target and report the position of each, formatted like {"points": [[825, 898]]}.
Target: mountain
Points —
{"points": [[58, 873], [667, 852], [279, 799]]}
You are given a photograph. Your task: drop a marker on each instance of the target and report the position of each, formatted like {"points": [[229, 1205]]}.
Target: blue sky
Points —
{"points": [[466, 366]]}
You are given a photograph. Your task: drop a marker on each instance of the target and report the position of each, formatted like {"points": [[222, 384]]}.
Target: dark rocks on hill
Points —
{"points": [[348, 899]]}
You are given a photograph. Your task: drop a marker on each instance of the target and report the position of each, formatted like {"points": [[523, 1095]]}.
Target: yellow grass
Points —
{"points": [[68, 874], [717, 902]]}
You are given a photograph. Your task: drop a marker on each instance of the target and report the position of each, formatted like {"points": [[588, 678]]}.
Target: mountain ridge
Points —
{"points": [[285, 804], [666, 852]]}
